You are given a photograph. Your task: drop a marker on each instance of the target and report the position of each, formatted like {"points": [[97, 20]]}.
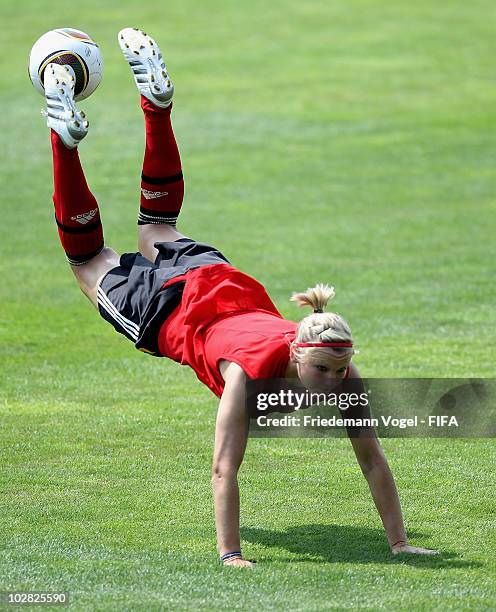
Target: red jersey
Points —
{"points": [[226, 314]]}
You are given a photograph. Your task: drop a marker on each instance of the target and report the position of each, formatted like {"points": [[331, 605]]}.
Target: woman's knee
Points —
{"points": [[90, 274], [150, 233]]}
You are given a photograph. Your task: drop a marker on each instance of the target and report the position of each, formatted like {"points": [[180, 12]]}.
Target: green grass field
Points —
{"points": [[347, 142]]}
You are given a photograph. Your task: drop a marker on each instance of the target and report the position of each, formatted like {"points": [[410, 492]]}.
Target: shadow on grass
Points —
{"points": [[346, 544]]}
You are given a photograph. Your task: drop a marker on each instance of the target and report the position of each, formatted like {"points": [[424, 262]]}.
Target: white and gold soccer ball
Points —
{"points": [[71, 47]]}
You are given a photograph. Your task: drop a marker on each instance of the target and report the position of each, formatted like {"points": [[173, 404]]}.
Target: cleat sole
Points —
{"points": [[148, 67]]}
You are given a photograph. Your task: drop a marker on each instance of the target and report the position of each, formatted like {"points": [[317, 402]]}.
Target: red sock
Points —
{"points": [[76, 210], [162, 186]]}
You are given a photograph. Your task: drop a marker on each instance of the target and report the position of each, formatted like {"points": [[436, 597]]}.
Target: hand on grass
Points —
{"points": [[237, 562], [403, 547]]}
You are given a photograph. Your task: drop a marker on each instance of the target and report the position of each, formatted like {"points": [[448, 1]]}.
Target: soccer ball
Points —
{"points": [[71, 47]]}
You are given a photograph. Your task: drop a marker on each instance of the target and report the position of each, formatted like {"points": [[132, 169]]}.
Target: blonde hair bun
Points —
{"points": [[316, 297], [320, 327]]}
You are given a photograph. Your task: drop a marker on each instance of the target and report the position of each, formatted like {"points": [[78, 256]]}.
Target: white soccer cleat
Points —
{"points": [[61, 113], [144, 57]]}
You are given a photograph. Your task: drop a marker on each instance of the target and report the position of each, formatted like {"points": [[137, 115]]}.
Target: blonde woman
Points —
{"points": [[182, 299]]}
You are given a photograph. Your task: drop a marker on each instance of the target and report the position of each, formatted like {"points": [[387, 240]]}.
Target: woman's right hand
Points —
{"points": [[238, 562]]}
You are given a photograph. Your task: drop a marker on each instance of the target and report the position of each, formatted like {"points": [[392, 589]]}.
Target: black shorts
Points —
{"points": [[131, 296]]}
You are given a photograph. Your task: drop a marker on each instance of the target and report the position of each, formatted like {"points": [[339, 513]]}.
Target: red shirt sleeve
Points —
{"points": [[257, 341]]}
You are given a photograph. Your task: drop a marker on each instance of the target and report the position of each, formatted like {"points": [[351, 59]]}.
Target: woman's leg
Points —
{"points": [[78, 220], [162, 186], [76, 209]]}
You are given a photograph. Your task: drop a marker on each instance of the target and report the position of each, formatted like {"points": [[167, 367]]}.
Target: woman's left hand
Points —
{"points": [[403, 547]]}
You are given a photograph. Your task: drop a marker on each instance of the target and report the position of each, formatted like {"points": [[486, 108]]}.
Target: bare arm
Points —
{"points": [[231, 433], [375, 468]]}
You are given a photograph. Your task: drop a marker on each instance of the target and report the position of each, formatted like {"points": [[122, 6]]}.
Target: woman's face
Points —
{"points": [[322, 372]]}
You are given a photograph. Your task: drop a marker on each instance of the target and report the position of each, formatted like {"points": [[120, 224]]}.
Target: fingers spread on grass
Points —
{"points": [[413, 550], [237, 562]]}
